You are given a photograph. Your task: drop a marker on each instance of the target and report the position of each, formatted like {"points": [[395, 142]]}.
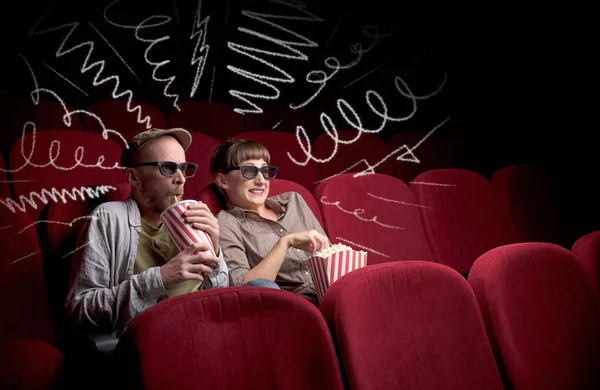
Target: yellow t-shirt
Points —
{"points": [[155, 248]]}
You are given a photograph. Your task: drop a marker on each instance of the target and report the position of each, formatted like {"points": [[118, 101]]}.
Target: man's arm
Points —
{"points": [[92, 303]]}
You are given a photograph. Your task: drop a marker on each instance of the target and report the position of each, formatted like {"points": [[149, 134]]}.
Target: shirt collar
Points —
{"points": [[275, 203]]}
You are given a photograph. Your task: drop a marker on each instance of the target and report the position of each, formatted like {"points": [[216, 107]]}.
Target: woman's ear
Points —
{"points": [[221, 181]]}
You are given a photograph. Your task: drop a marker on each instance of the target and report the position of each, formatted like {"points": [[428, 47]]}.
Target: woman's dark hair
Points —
{"points": [[230, 154]]}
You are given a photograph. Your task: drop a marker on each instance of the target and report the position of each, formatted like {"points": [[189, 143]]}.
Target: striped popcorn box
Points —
{"points": [[329, 265], [182, 233]]}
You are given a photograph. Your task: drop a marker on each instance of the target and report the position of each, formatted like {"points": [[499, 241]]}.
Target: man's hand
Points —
{"points": [[186, 265], [309, 241], [199, 215]]}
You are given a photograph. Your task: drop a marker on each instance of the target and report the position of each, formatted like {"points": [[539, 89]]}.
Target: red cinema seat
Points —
{"points": [[376, 213], [24, 306], [65, 161], [278, 186], [30, 365], [199, 152], [279, 145], [432, 152], [4, 187], [531, 201], [349, 158], [462, 218], [211, 118], [587, 252], [232, 338], [115, 116], [409, 325], [541, 316]]}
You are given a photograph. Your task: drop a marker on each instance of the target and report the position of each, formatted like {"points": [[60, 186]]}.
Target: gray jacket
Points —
{"points": [[104, 294]]}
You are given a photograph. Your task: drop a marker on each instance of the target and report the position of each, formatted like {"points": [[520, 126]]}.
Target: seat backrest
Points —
{"points": [[532, 204], [279, 145], [368, 147], [245, 337], [23, 304], [35, 167], [199, 152], [58, 238], [4, 185], [278, 186], [432, 152], [587, 251], [541, 316], [461, 217], [377, 213], [409, 325], [211, 118], [115, 116]]}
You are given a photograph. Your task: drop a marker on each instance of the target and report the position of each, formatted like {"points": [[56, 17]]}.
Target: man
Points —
{"points": [[128, 261]]}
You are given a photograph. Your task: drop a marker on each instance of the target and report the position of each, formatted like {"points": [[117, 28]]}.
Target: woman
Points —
{"points": [[263, 237]]}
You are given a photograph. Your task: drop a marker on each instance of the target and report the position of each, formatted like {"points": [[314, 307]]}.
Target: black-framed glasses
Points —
{"points": [[169, 168], [249, 172]]}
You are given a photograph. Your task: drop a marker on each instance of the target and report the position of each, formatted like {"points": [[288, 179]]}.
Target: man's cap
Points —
{"points": [[141, 139]]}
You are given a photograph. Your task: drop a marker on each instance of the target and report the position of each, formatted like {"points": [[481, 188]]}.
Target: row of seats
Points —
{"points": [[216, 119], [524, 319], [449, 217]]}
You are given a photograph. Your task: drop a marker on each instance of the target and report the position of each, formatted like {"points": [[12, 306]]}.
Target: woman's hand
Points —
{"points": [[309, 241]]}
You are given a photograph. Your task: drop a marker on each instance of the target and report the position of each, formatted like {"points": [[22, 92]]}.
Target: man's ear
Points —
{"points": [[221, 181], [132, 177]]}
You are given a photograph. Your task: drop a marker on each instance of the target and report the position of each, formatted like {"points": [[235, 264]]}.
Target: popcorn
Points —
{"points": [[330, 264]]}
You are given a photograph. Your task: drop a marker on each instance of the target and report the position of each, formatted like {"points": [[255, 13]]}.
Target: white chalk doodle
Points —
{"points": [[334, 30], [176, 10], [201, 50], [150, 23], [24, 257], [66, 79], [371, 168], [398, 201], [362, 247], [5, 227], [252, 52], [357, 213], [277, 124], [86, 66], [69, 224], [321, 77], [115, 51], [424, 183], [54, 194], [366, 74], [79, 248], [343, 106]]}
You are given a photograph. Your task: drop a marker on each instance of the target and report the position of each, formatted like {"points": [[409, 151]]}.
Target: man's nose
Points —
{"points": [[178, 177]]}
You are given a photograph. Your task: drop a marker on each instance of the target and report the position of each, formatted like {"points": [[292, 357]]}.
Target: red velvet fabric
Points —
{"points": [[199, 152], [115, 116], [378, 212], [368, 147], [530, 200], [211, 118], [4, 187], [29, 365], [541, 316], [433, 153], [587, 251], [234, 338], [463, 218], [24, 309], [278, 186], [47, 115], [409, 325], [36, 178], [279, 145]]}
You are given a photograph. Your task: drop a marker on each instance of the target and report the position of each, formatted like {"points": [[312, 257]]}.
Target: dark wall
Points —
{"points": [[517, 79]]}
